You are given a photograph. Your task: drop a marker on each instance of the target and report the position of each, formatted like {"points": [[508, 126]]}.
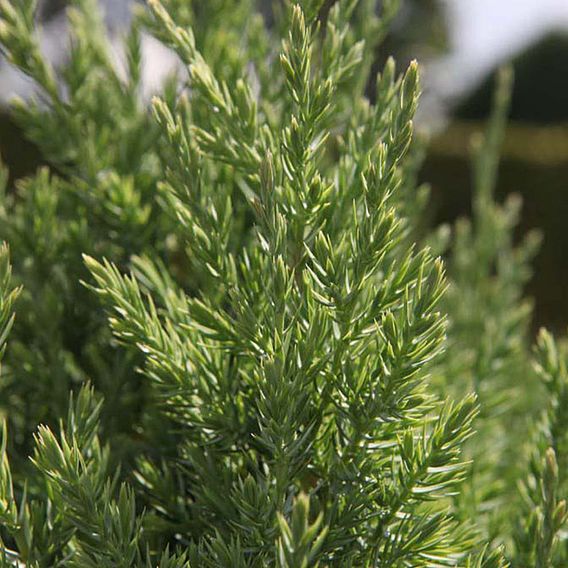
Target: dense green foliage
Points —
{"points": [[235, 343]]}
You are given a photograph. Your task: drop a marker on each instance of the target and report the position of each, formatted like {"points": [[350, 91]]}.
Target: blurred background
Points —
{"points": [[460, 44]]}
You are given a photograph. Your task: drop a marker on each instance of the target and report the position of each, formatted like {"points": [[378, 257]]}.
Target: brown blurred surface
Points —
{"points": [[534, 165]]}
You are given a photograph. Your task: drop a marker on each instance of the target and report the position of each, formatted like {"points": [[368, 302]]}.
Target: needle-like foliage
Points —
{"points": [[229, 349]]}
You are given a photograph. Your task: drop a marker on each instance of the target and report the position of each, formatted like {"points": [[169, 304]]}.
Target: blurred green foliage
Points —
{"points": [[236, 343]]}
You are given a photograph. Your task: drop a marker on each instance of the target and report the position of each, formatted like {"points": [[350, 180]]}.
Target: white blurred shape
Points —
{"points": [[485, 33], [158, 61]]}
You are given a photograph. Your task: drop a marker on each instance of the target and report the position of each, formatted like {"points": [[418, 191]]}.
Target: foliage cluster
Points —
{"points": [[236, 343]]}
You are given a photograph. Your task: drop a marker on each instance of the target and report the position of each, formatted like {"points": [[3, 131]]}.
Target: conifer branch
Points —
{"points": [[305, 363]]}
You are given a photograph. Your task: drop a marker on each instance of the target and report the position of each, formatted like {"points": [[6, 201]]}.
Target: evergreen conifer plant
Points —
{"points": [[235, 344]]}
